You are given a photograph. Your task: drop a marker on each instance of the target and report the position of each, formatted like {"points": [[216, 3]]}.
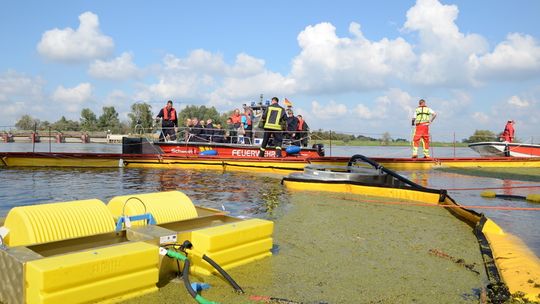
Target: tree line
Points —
{"points": [[140, 114]]}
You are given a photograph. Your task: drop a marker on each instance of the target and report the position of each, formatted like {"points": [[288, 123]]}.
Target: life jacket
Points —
{"points": [[423, 114], [166, 114], [248, 120], [236, 119], [300, 125], [273, 118]]}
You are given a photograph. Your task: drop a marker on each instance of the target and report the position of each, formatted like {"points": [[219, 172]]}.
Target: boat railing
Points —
{"points": [[217, 135]]}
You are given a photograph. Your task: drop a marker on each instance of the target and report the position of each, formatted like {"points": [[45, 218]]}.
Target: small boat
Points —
{"points": [[510, 265], [490, 149]]}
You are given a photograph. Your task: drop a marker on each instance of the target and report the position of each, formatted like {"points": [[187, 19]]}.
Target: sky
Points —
{"points": [[355, 67]]}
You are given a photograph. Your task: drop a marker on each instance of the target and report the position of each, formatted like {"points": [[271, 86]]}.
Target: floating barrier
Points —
{"points": [[512, 268], [72, 252], [535, 198]]}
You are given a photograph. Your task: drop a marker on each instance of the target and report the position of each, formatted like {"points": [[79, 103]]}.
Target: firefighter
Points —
{"points": [[273, 121], [424, 116]]}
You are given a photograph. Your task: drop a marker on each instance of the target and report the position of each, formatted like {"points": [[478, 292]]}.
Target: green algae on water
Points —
{"points": [[339, 248]]}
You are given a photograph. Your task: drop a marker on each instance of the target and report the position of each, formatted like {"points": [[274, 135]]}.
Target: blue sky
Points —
{"points": [[349, 66]]}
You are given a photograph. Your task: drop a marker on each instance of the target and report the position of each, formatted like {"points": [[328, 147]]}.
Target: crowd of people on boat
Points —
{"points": [[238, 128]]}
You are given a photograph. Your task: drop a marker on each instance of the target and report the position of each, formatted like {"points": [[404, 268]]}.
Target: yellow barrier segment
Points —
{"points": [[535, 198], [57, 221], [165, 207], [231, 245], [432, 198], [518, 265], [102, 274], [488, 194]]}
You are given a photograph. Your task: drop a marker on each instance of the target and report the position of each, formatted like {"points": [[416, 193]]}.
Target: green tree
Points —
{"points": [[109, 120], [201, 112], [386, 139], [88, 120], [64, 124], [44, 125], [27, 122], [481, 135], [141, 113]]}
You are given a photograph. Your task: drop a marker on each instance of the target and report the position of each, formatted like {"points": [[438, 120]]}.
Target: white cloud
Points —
{"points": [[85, 43], [332, 110], [120, 68], [328, 63], [19, 95], [518, 102], [516, 57], [74, 97], [199, 61], [246, 66], [480, 117], [444, 52], [204, 78], [364, 112]]}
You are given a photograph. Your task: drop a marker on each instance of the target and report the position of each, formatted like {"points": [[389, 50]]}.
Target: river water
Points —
{"points": [[258, 195]]}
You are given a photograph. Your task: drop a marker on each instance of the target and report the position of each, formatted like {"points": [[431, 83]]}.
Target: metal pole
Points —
{"points": [[49, 139], [330, 142], [454, 144], [34, 138]]}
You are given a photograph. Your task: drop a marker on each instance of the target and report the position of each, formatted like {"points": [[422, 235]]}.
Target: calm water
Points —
{"points": [[240, 193]]}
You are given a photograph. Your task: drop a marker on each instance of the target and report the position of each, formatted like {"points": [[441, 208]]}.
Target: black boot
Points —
{"points": [[278, 152], [261, 153]]}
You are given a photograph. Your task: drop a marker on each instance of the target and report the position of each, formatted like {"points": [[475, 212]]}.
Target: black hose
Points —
{"points": [[509, 196], [185, 277], [236, 287], [378, 166]]}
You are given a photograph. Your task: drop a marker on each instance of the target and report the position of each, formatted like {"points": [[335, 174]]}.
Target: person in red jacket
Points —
{"points": [[508, 133], [169, 122]]}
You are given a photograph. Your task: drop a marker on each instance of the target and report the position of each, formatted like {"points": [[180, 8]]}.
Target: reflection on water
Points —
{"points": [[238, 193]]}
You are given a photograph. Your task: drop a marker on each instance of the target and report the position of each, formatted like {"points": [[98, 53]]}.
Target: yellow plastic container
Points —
{"points": [[36, 224], [165, 207], [231, 245], [101, 274]]}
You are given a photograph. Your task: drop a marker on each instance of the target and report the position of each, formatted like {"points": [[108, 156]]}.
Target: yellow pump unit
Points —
{"points": [[72, 252]]}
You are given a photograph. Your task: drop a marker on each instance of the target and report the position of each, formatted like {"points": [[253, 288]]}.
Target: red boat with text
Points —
{"points": [[221, 150]]}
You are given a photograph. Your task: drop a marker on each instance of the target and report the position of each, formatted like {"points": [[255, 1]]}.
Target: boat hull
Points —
{"points": [[269, 164], [490, 149], [228, 150]]}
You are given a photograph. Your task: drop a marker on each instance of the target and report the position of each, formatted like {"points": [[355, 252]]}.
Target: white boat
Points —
{"points": [[491, 149]]}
